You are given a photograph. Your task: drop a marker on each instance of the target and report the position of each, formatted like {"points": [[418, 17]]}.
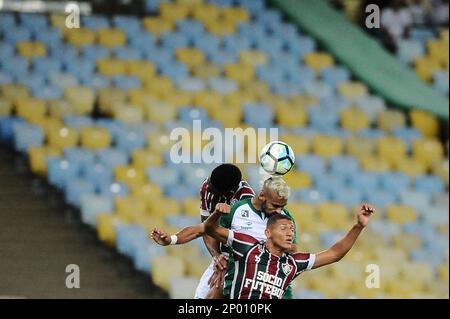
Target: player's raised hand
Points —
{"points": [[160, 237], [364, 214], [223, 208]]}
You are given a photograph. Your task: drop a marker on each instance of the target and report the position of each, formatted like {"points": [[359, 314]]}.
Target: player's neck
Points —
{"points": [[256, 203], [273, 249]]}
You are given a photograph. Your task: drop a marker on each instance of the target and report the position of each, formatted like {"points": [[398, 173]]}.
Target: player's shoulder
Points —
{"points": [[245, 188]]}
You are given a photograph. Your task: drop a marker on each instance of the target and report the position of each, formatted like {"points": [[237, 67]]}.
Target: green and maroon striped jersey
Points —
{"points": [[258, 273]]}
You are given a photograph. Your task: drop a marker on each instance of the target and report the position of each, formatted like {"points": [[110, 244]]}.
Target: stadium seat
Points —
{"points": [[354, 119], [327, 146], [81, 99], [389, 120], [241, 73], [429, 184], [30, 108], [106, 224], [401, 213], [129, 175], [30, 49], [165, 268], [111, 37], [318, 60], [440, 168], [427, 151], [297, 179], [391, 148], [37, 157], [111, 67], [95, 138], [352, 90], [60, 138], [426, 123], [129, 208], [158, 25], [80, 37], [425, 67]]}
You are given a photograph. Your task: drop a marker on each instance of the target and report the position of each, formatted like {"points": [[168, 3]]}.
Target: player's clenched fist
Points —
{"points": [[223, 208]]}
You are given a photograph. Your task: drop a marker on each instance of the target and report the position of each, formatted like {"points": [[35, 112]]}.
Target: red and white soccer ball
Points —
{"points": [[277, 158]]}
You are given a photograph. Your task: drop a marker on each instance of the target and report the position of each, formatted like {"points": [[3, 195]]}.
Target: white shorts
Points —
{"points": [[203, 286]]}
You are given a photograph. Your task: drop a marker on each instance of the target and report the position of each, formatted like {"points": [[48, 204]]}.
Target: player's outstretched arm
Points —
{"points": [[211, 224], [342, 247], [184, 236]]}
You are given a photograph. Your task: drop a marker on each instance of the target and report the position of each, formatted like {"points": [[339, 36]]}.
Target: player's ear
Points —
{"points": [[268, 233], [261, 196]]}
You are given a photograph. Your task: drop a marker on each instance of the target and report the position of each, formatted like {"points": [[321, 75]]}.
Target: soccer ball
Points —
{"points": [[277, 158]]}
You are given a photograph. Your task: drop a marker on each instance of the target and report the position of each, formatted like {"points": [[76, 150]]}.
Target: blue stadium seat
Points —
{"points": [[127, 53], [95, 22], [258, 115], [46, 65], [92, 205], [407, 135], [299, 74], [94, 81], [254, 7], [371, 133], [6, 51], [429, 183], [223, 85], [435, 258], [126, 82], [222, 57], [174, 40], [76, 188], [113, 190], [78, 122], [180, 191], [26, 135], [131, 138], [33, 22], [312, 196], [335, 75], [190, 84], [289, 62], [81, 68], [152, 6], [6, 128], [329, 183], [337, 102], [32, 80], [366, 182], [47, 92], [6, 78], [270, 74], [309, 294], [190, 28], [385, 228], [144, 41], [188, 114], [421, 34], [319, 89], [163, 176], [16, 34], [348, 196], [14, 66], [99, 173], [181, 221], [268, 44], [50, 36], [144, 253], [63, 52], [269, 17], [301, 46], [83, 157], [236, 42], [380, 197], [312, 164], [208, 43], [128, 236], [394, 182], [94, 52], [329, 238], [61, 170], [111, 157], [7, 21], [159, 56], [323, 118], [222, 3], [344, 165], [287, 88], [130, 25]]}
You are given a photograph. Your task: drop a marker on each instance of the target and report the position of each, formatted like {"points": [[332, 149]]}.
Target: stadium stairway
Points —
{"points": [[40, 236]]}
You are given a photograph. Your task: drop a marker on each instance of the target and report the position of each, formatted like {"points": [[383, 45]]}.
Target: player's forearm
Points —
{"points": [[190, 233], [212, 227], [342, 247], [212, 244]]}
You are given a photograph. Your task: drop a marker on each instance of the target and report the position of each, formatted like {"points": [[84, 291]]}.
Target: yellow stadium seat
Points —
{"points": [[440, 168], [334, 215], [230, 118], [158, 25], [318, 60], [80, 36], [59, 108], [425, 67], [191, 3], [111, 67], [241, 73], [37, 157], [128, 208], [81, 99], [6, 107], [327, 146], [166, 267], [304, 215], [391, 148], [13, 91], [443, 272], [178, 98], [425, 122], [390, 119], [47, 123], [260, 90], [160, 112], [300, 144], [220, 27], [106, 223], [140, 98], [29, 49], [427, 150], [174, 11], [63, 137], [406, 241], [253, 57], [438, 51], [144, 70], [111, 37], [160, 86], [159, 142], [189, 251], [235, 15], [127, 113], [354, 119], [95, 138], [296, 179], [401, 213], [163, 207], [374, 163], [146, 192], [352, 90], [190, 56], [30, 108], [142, 158], [196, 265], [191, 207], [410, 270], [58, 20], [292, 116], [206, 12], [205, 71], [410, 166], [107, 97], [303, 100], [208, 100], [129, 175]]}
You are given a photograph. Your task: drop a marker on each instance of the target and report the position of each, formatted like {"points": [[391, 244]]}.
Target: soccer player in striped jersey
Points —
{"points": [[264, 269], [247, 216]]}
